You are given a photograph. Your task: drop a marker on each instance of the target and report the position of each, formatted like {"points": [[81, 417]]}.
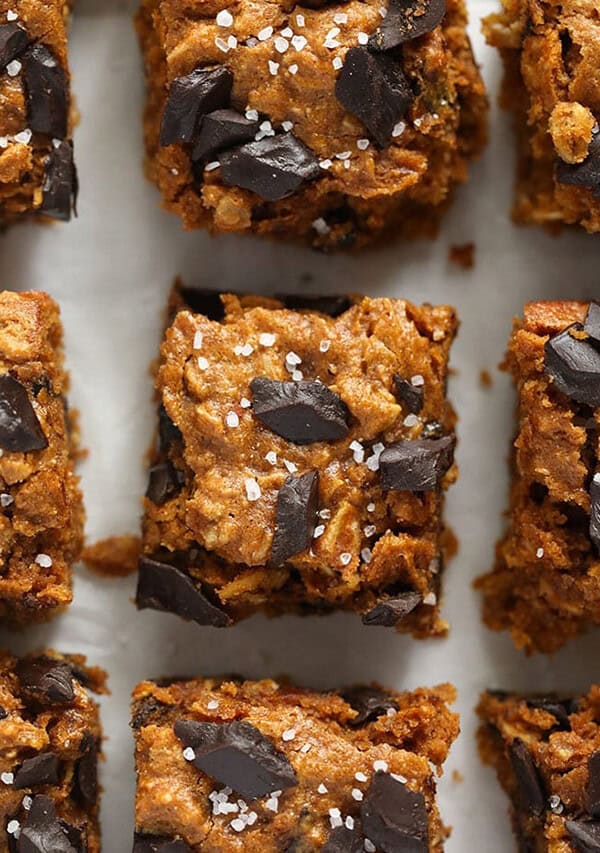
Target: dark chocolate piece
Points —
{"points": [[372, 86], [585, 174], [168, 433], [416, 466], [86, 770], [409, 394], [3, 713], [164, 587], [159, 844], [43, 832], [60, 185], [13, 42], [591, 324], [406, 20], [389, 611], [220, 130], [332, 306], [190, 98], [552, 706], [200, 300], [344, 840], [296, 516], [274, 167], [529, 785], [165, 482], [585, 835], [40, 770], [47, 92], [369, 702], [301, 412], [49, 682], [394, 818], [20, 430], [593, 789], [237, 754], [595, 509], [574, 365]]}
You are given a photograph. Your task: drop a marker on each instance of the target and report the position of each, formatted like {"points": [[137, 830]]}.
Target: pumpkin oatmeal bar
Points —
{"points": [[226, 765], [326, 122]]}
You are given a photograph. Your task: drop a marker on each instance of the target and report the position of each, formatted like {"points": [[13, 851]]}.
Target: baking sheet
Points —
{"points": [[111, 271]]}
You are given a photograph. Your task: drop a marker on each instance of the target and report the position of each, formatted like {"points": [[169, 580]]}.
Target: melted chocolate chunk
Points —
{"points": [[20, 430], [47, 92], [585, 174], [238, 755], [301, 412], [574, 365], [43, 832], [190, 98], [390, 611], [529, 784], [49, 682], [273, 168], [159, 844], [593, 789], [221, 130], [86, 771], [406, 20], [332, 306], [416, 466], [40, 770], [409, 394], [344, 840], [296, 516], [60, 182], [165, 482], [372, 86], [13, 42], [164, 587], [394, 818], [585, 835], [591, 325], [595, 509], [369, 702]]}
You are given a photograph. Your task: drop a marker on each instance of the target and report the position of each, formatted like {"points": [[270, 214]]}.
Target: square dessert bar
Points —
{"points": [[329, 123], [37, 172], [301, 462], [546, 752], [545, 586], [229, 765], [41, 509], [50, 741], [551, 56]]}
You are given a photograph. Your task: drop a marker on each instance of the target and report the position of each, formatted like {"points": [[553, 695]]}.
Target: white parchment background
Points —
{"points": [[111, 271]]}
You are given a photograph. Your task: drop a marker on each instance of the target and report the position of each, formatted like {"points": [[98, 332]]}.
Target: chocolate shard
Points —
{"points": [[344, 840], [301, 412], [159, 844], [416, 466], [60, 186], [591, 325], [168, 433], [165, 482], [585, 174], [13, 42], [237, 754], [595, 509], [529, 784], [86, 771], [559, 710], [220, 130], [42, 832], [47, 92], [574, 365], [407, 20], [332, 306], [273, 168], [3, 713], [593, 788], [585, 835], [40, 770], [372, 86], [409, 394], [190, 98], [49, 682], [164, 587], [296, 516], [390, 611], [200, 300], [20, 429], [394, 818], [369, 703]]}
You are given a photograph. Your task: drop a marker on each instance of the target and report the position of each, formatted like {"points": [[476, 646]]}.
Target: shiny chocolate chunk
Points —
{"points": [[416, 466], [394, 817], [559, 710], [43, 832], [369, 703], [408, 394], [584, 834], [406, 20], [591, 325], [274, 167], [86, 771], [390, 611], [296, 516], [40, 770], [164, 587], [593, 788], [47, 92], [190, 98], [159, 844], [301, 412], [529, 784], [60, 185], [237, 754], [13, 42], [344, 840], [595, 509], [574, 365], [20, 430], [165, 481], [49, 682], [585, 174], [372, 86], [221, 130]]}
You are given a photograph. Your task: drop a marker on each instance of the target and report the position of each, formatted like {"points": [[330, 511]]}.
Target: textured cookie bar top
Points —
{"points": [[301, 463], [551, 53], [50, 740], [229, 766], [41, 510], [546, 751], [324, 122], [545, 586], [37, 172]]}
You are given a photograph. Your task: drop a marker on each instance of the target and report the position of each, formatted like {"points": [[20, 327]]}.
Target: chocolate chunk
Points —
{"points": [[40, 770], [390, 611], [159, 844], [409, 394], [301, 412], [585, 174], [165, 482], [372, 86], [42, 832], [221, 130], [552, 706], [13, 42], [574, 365], [47, 92], [394, 818], [593, 788], [86, 771], [296, 516], [60, 182], [416, 466], [332, 306], [3, 713], [369, 702], [190, 98], [595, 509], [585, 835], [20, 430], [528, 780], [344, 840], [238, 755], [274, 167], [168, 433], [406, 20], [164, 587], [49, 682], [200, 300], [591, 324]]}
